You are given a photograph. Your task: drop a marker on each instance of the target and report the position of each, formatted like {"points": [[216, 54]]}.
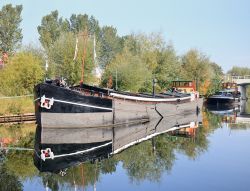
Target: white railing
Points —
{"points": [[241, 77], [229, 78]]}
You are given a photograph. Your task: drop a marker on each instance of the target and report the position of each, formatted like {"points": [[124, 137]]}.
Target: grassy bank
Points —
{"points": [[16, 105]]}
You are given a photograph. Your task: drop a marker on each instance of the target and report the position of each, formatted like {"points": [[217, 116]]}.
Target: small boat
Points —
{"points": [[228, 95], [79, 106], [223, 97]]}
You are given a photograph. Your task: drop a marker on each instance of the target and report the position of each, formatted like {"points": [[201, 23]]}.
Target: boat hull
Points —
{"points": [[59, 107], [221, 100]]}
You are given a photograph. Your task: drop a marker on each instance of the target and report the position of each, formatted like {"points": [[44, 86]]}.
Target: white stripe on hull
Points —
{"points": [[146, 99], [81, 104], [78, 104]]}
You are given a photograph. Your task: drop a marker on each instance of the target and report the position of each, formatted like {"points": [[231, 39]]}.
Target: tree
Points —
{"points": [[168, 68], [10, 31], [22, 73], [239, 71], [78, 22], [216, 77], [196, 67], [8, 180], [110, 45], [61, 59], [49, 29], [131, 72]]}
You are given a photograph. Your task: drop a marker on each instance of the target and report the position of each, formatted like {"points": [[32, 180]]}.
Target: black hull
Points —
{"points": [[216, 101], [60, 163], [87, 106], [71, 96], [67, 101]]}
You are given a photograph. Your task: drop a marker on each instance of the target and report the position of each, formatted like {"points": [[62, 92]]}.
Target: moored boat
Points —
{"points": [[221, 97], [228, 95], [58, 106]]}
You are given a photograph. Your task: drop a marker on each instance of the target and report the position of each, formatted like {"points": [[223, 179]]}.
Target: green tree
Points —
{"points": [[239, 71], [196, 67], [110, 45], [78, 22], [61, 61], [131, 72], [9, 181], [10, 31], [168, 68], [49, 29], [215, 78], [21, 74]]}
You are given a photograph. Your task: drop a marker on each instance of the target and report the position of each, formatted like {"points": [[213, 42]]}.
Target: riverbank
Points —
{"points": [[16, 105]]}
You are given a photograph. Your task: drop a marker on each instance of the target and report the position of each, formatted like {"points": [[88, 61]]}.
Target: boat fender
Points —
{"points": [[46, 102], [47, 154]]}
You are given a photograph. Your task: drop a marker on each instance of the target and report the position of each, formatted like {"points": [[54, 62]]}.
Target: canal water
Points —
{"points": [[205, 152]]}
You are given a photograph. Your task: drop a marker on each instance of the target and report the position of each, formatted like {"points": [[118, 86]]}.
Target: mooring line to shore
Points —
{"points": [[16, 148], [13, 97]]}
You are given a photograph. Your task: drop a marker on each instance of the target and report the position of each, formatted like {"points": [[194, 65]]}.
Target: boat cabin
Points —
{"points": [[184, 86], [230, 86]]}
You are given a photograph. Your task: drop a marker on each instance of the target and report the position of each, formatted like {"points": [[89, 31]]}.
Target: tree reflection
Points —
{"points": [[145, 161], [8, 180], [142, 162]]}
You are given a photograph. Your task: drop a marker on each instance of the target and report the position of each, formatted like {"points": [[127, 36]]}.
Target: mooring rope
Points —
{"points": [[13, 97]]}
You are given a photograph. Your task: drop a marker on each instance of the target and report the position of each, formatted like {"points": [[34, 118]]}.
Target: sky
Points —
{"points": [[218, 28]]}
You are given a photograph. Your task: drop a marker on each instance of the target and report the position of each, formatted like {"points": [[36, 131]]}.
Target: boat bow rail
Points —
{"points": [[147, 99]]}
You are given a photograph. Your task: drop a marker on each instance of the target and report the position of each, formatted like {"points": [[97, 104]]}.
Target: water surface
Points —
{"points": [[213, 157]]}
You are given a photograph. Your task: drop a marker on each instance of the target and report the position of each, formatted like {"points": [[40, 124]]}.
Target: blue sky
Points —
{"points": [[218, 28]]}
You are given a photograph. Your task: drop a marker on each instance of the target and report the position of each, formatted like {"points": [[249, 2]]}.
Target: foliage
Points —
{"points": [[196, 67], [49, 29], [134, 58], [168, 68], [109, 45], [9, 181], [239, 71], [142, 58], [130, 69], [57, 33], [215, 79], [36, 51], [21, 74], [20, 163], [62, 63], [10, 31]]}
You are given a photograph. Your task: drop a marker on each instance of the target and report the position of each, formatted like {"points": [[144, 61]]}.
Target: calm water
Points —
{"points": [[214, 156]]}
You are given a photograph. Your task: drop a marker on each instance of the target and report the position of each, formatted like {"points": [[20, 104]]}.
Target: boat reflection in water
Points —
{"points": [[56, 149], [233, 116]]}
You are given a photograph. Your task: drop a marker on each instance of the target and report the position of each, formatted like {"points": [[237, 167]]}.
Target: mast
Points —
{"points": [[85, 40]]}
